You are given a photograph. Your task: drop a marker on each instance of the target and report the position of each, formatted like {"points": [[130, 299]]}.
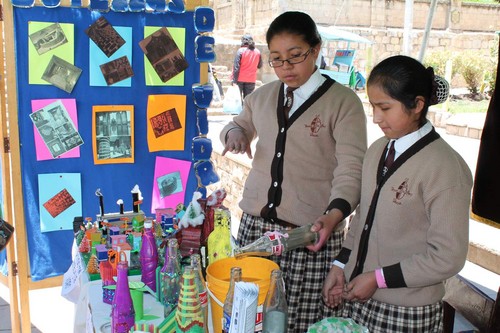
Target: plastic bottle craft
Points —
{"points": [[189, 315], [228, 303], [275, 310], [149, 256], [275, 243], [169, 277], [122, 309]]}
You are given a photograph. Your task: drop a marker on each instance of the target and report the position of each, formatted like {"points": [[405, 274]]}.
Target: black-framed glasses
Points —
{"points": [[292, 61]]}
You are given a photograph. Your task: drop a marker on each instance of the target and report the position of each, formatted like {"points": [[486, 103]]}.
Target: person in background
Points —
{"points": [[307, 163], [410, 232], [246, 63]]}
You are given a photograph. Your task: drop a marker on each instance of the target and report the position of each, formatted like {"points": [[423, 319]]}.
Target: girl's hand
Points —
{"points": [[361, 288], [325, 224], [333, 287], [237, 143]]}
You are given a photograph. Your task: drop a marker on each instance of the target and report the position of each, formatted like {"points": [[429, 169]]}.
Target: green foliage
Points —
{"points": [[468, 106], [437, 60], [491, 75], [472, 66]]}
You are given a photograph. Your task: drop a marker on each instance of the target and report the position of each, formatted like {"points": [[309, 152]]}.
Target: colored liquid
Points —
{"points": [[275, 322]]}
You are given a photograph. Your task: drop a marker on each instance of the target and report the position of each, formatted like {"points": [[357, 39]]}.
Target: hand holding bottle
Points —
{"points": [[277, 242], [324, 226]]}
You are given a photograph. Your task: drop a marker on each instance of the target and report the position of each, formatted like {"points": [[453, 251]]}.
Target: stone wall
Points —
{"points": [[456, 26], [454, 15]]}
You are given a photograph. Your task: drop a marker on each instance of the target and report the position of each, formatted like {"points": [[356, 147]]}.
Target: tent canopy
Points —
{"points": [[331, 33]]}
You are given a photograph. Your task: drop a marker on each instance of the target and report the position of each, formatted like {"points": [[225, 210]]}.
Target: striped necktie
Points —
{"points": [[288, 101], [390, 158]]}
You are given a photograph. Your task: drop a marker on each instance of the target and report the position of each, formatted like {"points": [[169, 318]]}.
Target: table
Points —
{"points": [[94, 316]]}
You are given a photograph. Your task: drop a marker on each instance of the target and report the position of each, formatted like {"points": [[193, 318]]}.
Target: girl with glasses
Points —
{"points": [[307, 163]]}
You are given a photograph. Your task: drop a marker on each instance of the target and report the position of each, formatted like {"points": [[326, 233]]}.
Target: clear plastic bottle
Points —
{"points": [[228, 303], [275, 311], [148, 256], [201, 286], [170, 277], [122, 309], [275, 243]]}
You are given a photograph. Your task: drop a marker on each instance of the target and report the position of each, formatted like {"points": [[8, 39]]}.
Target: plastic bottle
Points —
{"points": [[275, 311], [201, 286], [189, 315], [149, 256], [275, 243], [219, 240], [169, 278], [122, 308], [228, 303]]}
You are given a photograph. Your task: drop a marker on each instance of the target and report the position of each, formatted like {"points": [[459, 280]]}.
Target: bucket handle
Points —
{"points": [[221, 304]]}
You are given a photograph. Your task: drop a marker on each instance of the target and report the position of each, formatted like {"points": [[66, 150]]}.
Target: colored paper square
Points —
{"points": [[159, 107], [57, 189], [97, 58], [152, 79], [38, 63]]}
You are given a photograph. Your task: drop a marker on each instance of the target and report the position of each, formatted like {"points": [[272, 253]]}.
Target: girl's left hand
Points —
{"points": [[325, 224]]}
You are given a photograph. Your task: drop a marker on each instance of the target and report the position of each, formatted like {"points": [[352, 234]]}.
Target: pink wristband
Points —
{"points": [[379, 276]]}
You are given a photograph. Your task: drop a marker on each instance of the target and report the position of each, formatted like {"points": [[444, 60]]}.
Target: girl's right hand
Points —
{"points": [[237, 143], [333, 287]]}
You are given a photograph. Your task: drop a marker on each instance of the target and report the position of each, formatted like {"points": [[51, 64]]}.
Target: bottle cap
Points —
{"points": [[148, 224]]}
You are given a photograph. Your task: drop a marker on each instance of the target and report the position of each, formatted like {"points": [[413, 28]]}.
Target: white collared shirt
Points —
{"points": [[405, 142], [302, 93]]}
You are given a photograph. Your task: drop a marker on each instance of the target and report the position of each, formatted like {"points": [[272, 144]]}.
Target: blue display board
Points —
{"points": [[50, 252]]}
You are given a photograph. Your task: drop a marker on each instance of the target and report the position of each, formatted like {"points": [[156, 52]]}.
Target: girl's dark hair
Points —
{"points": [[404, 78], [297, 23]]}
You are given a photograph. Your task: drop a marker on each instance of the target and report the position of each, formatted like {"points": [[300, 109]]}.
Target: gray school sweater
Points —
{"points": [[312, 163], [420, 229]]}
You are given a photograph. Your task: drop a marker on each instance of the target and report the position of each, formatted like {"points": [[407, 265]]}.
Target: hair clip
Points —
{"points": [[202, 121], [202, 94], [204, 19], [205, 174], [442, 89], [204, 49], [201, 148]]}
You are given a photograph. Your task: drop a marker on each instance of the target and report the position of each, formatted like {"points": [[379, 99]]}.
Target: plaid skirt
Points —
{"points": [[381, 317], [304, 272]]}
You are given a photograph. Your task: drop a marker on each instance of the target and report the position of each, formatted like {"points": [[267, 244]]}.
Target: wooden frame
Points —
{"points": [[18, 280]]}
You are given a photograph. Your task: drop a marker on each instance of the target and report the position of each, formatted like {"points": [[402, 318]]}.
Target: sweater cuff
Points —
{"points": [[338, 264], [394, 276], [229, 130], [379, 275], [343, 256], [340, 204]]}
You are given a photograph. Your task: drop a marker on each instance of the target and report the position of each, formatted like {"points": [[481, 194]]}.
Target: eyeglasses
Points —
{"points": [[292, 61]]}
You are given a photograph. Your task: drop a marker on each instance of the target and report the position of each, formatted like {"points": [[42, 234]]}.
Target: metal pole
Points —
{"points": [[408, 27], [427, 31]]}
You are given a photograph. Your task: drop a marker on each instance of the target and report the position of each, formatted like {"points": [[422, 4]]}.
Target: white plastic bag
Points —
{"points": [[232, 100]]}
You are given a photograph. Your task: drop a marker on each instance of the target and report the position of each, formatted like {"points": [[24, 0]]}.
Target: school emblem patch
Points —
{"points": [[401, 192], [315, 126]]}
